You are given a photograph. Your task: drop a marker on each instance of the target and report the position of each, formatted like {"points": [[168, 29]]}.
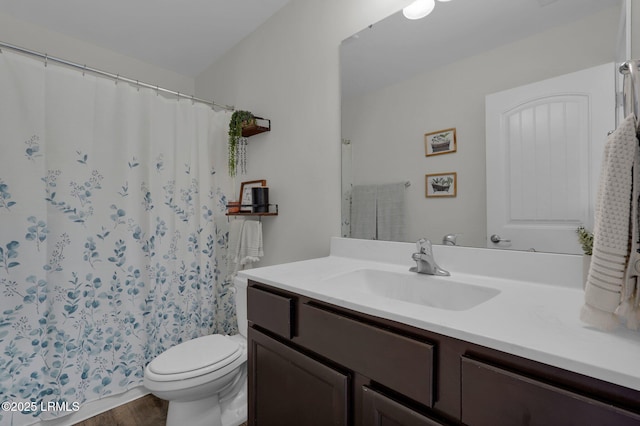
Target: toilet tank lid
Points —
{"points": [[196, 354]]}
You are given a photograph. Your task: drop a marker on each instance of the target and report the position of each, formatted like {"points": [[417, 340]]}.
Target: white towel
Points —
{"points": [[363, 212], [611, 282], [235, 229], [250, 244], [390, 212]]}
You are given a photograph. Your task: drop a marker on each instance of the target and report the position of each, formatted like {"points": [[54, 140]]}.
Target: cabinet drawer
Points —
{"points": [[397, 362], [270, 311], [378, 410], [494, 396]]}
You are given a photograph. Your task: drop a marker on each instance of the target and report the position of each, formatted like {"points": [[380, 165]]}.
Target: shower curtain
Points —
{"points": [[112, 243]]}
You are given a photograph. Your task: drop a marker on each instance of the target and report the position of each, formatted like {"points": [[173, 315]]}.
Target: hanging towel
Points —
{"points": [[390, 212], [611, 282], [363, 212], [235, 229], [250, 244]]}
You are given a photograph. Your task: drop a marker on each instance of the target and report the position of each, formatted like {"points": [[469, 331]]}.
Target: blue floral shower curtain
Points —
{"points": [[111, 241]]}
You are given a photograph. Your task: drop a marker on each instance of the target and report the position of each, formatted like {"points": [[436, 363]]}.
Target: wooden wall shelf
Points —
{"points": [[261, 125], [253, 214], [269, 213]]}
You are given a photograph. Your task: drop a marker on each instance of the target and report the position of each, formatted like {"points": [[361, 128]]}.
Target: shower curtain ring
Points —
{"points": [[178, 96], [117, 78], [192, 101], [157, 90], [46, 59], [84, 69]]}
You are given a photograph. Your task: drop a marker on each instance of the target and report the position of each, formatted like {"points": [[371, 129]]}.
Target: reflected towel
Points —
{"points": [[390, 212], [363, 212], [611, 282]]}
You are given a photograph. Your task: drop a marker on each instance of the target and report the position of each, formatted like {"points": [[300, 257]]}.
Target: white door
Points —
{"points": [[544, 148]]}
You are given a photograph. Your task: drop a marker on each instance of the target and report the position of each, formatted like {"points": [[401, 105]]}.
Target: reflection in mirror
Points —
{"points": [[403, 79]]}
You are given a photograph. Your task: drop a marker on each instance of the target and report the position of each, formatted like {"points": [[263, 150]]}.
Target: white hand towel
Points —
{"points": [[250, 244], [611, 280], [235, 230]]}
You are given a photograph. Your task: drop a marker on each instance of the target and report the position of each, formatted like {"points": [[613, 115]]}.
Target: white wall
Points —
{"points": [[288, 71], [386, 128], [33, 37]]}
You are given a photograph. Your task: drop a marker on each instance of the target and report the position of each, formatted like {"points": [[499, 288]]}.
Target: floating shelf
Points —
{"points": [[270, 213], [252, 214], [261, 125]]}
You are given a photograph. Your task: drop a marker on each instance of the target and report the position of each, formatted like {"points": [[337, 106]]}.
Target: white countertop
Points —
{"points": [[535, 319]]}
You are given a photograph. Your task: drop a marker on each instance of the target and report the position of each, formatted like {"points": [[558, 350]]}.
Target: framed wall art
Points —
{"points": [[439, 185], [440, 142], [246, 198]]}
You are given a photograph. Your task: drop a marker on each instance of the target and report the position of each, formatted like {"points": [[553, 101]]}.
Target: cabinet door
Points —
{"points": [[378, 410], [493, 396], [287, 387]]}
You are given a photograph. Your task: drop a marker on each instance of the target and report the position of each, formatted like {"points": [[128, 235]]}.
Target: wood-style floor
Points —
{"points": [[145, 411]]}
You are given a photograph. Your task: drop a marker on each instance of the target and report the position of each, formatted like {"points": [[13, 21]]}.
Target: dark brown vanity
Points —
{"points": [[314, 363]]}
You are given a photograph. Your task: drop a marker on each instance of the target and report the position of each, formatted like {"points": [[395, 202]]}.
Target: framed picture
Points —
{"points": [[246, 199], [441, 185], [440, 142]]}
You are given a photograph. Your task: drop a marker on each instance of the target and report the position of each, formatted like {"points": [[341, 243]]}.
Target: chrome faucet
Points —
{"points": [[449, 240], [425, 263]]}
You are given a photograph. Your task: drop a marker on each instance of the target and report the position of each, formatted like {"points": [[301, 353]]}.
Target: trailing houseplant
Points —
{"points": [[238, 118]]}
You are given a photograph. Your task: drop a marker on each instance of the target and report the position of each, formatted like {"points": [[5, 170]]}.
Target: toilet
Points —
{"points": [[205, 379]]}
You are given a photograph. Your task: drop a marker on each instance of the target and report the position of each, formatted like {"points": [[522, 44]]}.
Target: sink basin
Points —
{"points": [[427, 290]]}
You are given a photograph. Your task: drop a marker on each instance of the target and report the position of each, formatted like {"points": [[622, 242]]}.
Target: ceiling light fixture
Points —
{"points": [[419, 9]]}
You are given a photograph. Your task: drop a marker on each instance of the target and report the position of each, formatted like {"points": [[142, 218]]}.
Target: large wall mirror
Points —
{"points": [[404, 79]]}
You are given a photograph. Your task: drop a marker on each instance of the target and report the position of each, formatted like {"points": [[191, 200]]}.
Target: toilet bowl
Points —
{"points": [[205, 379]]}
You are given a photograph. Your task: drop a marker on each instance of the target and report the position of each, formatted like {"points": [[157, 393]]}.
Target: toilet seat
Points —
{"points": [[194, 358]]}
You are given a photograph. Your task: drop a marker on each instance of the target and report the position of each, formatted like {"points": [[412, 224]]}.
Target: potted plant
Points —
{"points": [[585, 238], [239, 119]]}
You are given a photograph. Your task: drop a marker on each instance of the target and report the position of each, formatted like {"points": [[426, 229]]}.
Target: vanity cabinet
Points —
{"points": [[314, 363]]}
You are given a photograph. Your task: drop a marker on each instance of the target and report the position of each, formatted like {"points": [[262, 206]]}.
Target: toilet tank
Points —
{"points": [[241, 304]]}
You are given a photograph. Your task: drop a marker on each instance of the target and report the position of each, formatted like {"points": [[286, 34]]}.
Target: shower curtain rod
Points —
{"points": [[116, 77]]}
